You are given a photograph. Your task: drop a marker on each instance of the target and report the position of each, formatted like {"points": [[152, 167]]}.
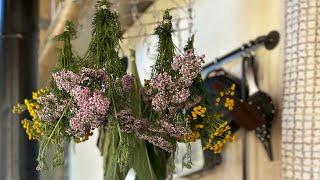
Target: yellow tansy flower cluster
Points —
{"points": [[229, 91], [18, 109], [229, 104], [31, 107], [199, 126], [219, 138], [198, 111], [40, 92], [224, 127], [191, 137], [217, 146], [34, 128]]}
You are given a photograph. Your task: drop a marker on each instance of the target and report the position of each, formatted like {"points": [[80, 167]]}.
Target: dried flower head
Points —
{"points": [[127, 82]]}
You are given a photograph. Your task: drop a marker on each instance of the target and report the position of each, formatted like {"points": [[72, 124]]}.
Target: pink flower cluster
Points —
{"points": [[168, 91], [180, 96], [127, 82], [175, 89], [188, 65], [51, 107], [160, 101], [66, 80], [162, 81], [89, 111], [173, 130], [142, 129], [89, 106]]}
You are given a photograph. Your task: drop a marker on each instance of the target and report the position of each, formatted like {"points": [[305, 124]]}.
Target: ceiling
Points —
{"points": [[129, 10], [125, 8], [78, 11]]}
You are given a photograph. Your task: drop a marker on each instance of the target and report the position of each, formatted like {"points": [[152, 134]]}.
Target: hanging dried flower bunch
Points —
{"points": [[139, 126]]}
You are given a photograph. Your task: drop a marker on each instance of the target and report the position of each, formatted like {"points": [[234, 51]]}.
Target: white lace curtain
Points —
{"points": [[301, 98]]}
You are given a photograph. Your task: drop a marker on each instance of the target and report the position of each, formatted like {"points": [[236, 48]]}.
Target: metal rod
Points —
{"points": [[270, 41], [244, 139]]}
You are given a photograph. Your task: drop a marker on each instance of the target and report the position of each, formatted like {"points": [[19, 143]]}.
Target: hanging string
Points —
{"points": [[177, 26], [190, 15]]}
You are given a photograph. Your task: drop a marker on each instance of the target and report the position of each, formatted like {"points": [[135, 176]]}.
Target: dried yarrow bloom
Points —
{"points": [[99, 103], [88, 73], [126, 120], [90, 106], [157, 141], [173, 130], [90, 111], [168, 92], [160, 102], [177, 62], [180, 96], [161, 81], [51, 107], [172, 93], [66, 80], [142, 129], [127, 82], [188, 65], [129, 123]]}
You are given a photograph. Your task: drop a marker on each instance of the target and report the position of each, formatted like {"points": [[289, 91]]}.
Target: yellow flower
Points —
{"points": [[232, 138], [233, 86], [40, 92], [218, 138], [198, 111], [199, 126], [34, 129], [229, 103], [26, 102], [191, 137], [34, 95], [19, 108]]}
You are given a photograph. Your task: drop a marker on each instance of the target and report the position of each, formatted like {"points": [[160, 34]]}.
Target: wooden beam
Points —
{"points": [[73, 11]]}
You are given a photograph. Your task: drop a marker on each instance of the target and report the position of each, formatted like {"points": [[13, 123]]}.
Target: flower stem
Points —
{"points": [[54, 129]]}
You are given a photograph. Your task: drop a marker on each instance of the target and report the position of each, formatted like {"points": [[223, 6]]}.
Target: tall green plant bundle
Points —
{"points": [[121, 151], [106, 36]]}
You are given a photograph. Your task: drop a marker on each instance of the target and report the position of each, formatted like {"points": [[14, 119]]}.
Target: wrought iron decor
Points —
{"points": [[269, 41]]}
